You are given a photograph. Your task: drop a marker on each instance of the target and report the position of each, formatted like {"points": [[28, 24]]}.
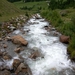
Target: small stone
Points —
{"points": [[7, 57], [17, 50], [8, 38], [1, 53], [0, 39], [35, 55], [5, 46], [5, 72]]}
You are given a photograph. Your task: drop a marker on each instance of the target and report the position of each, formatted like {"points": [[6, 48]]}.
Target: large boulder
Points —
{"points": [[19, 40], [64, 39]]}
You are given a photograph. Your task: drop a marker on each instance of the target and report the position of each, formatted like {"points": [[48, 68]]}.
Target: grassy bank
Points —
{"points": [[64, 22]]}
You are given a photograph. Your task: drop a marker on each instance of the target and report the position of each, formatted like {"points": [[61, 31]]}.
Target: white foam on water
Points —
{"points": [[55, 53], [16, 31]]}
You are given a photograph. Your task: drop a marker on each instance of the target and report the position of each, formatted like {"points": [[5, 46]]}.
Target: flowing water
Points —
{"points": [[55, 59]]}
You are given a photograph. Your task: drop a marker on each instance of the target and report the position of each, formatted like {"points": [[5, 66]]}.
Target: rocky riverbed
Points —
{"points": [[26, 48]]}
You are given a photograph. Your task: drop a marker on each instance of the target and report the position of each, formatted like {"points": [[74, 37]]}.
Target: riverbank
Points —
{"points": [[63, 21]]}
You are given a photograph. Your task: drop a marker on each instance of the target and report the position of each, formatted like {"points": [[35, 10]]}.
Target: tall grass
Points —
{"points": [[66, 28]]}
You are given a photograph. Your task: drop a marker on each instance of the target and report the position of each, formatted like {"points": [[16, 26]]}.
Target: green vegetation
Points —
{"points": [[8, 10], [64, 22], [63, 19], [31, 7]]}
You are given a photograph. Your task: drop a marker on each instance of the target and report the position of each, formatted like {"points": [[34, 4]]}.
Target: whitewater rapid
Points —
{"points": [[55, 59]]}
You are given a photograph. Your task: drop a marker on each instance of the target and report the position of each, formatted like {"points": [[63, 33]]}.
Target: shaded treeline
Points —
{"points": [[61, 4], [24, 0]]}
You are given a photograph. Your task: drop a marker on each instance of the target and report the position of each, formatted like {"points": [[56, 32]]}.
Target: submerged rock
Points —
{"points": [[19, 40]]}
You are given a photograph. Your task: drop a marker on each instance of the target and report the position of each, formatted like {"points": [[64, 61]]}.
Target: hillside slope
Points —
{"points": [[7, 10]]}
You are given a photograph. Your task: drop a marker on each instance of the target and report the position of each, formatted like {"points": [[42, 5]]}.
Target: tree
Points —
{"points": [[52, 4]]}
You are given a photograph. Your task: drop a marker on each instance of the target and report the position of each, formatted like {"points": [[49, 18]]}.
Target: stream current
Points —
{"points": [[55, 59]]}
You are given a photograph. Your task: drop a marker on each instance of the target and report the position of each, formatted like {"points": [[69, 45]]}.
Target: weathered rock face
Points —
{"points": [[19, 40], [64, 39]]}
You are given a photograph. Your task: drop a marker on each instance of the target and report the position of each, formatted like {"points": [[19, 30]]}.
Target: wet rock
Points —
{"points": [[1, 53], [1, 39], [35, 48], [8, 38], [23, 68], [35, 55], [4, 53], [55, 34], [64, 39], [21, 58], [6, 57], [53, 29], [17, 50], [46, 27], [5, 46], [5, 72], [37, 16], [19, 40], [16, 63]]}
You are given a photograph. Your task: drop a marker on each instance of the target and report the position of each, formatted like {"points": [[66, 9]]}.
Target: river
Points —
{"points": [[55, 60]]}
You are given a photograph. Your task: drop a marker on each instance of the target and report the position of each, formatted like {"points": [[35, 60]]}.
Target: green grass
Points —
{"points": [[8, 10], [64, 22], [32, 7]]}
